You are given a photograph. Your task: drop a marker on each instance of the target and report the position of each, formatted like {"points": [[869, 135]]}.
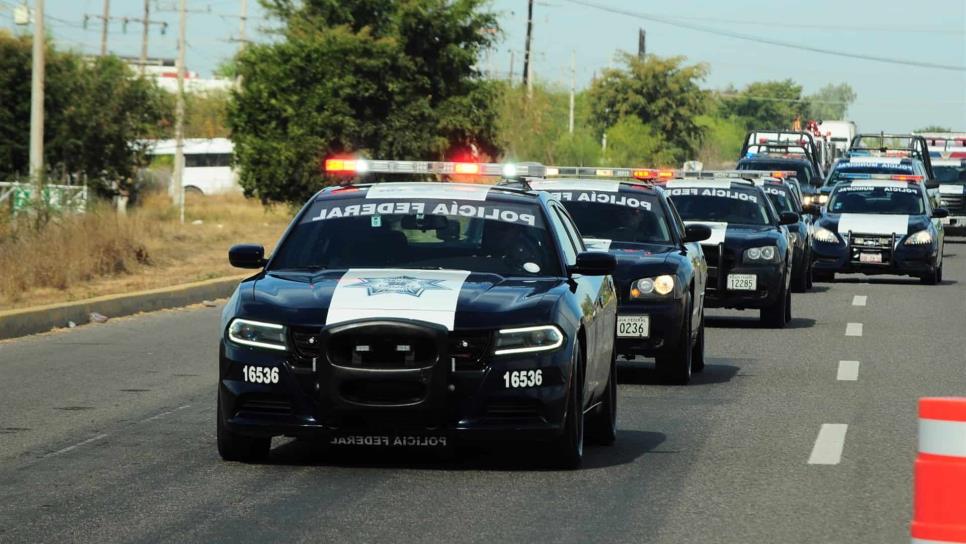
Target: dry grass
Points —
{"points": [[102, 253]]}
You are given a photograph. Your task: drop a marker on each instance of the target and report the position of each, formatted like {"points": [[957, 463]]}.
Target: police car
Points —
{"points": [[879, 224], [951, 175], [785, 199], [661, 272], [748, 254], [410, 315]]}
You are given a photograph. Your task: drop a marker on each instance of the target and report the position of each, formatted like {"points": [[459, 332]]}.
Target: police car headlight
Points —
{"points": [[822, 199], [824, 235], [761, 254], [807, 199], [649, 287], [528, 340], [920, 238], [257, 334]]}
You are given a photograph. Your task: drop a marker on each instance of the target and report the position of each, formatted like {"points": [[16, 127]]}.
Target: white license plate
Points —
{"points": [[634, 326], [870, 258], [742, 282]]}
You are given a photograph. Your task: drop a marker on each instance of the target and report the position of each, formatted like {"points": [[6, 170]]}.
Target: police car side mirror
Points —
{"points": [[788, 218], [247, 256], [697, 233], [932, 184], [594, 263], [940, 213]]}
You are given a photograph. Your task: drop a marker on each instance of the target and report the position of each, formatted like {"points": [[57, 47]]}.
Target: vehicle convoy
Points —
{"points": [[661, 272], [748, 254], [415, 314], [879, 224], [785, 199], [894, 154], [785, 150], [951, 175]]}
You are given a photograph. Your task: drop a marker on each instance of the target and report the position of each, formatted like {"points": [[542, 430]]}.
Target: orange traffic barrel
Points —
{"points": [[939, 500]]}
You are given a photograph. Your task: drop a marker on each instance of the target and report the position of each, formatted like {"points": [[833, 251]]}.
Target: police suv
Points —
{"points": [[951, 175], [879, 224], [748, 253], [661, 272], [409, 315]]}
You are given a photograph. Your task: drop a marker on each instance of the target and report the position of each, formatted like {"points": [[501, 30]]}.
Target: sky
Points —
{"points": [[891, 96]]}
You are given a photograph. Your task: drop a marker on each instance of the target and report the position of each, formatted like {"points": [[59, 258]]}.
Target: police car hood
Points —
{"points": [[739, 235], [874, 223], [452, 298], [644, 260]]}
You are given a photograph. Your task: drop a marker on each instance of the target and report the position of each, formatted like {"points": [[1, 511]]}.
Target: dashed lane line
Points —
{"points": [[859, 300], [848, 371], [163, 414], [829, 444], [77, 445], [853, 329]]}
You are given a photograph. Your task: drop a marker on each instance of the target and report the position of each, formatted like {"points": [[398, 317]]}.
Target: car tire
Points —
{"points": [[697, 352], [675, 364], [235, 447], [602, 426], [776, 315], [800, 280], [809, 275], [933, 277], [568, 448], [824, 277]]}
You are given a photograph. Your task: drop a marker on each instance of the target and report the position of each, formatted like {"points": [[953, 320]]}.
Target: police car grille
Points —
{"points": [[718, 264], [871, 241], [306, 343], [360, 350], [954, 203], [469, 350]]}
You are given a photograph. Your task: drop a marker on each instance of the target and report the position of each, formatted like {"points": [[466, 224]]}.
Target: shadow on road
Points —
{"points": [[630, 445], [890, 280], [743, 322], [816, 288], [640, 372]]}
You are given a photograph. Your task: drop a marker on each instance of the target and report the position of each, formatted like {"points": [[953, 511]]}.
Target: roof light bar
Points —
{"points": [[361, 166], [892, 177], [604, 172], [647, 174], [729, 174]]}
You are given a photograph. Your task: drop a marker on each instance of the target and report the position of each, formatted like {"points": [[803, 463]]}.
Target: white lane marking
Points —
{"points": [[163, 414], [829, 444], [853, 329], [848, 371], [859, 300], [77, 445]]}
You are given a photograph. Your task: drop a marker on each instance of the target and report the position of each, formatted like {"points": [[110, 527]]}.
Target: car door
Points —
{"points": [[591, 295], [699, 265]]}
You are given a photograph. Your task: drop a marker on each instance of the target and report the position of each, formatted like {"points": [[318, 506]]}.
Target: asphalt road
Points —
{"points": [[107, 435]]}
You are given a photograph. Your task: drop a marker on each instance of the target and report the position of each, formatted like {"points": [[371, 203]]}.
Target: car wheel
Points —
{"points": [[800, 280], [697, 352], [674, 364], [932, 277], [788, 307], [568, 448], [235, 447], [776, 315], [602, 427]]}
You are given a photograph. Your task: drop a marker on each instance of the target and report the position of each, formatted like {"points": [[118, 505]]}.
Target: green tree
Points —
{"points": [[662, 93], [632, 143], [933, 128], [765, 104], [830, 102], [97, 112], [395, 80]]}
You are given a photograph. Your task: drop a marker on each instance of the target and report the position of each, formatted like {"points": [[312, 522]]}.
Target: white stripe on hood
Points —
{"points": [[871, 223]]}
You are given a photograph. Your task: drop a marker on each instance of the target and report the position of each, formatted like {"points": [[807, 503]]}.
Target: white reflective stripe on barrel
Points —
{"points": [[921, 541], [942, 437]]}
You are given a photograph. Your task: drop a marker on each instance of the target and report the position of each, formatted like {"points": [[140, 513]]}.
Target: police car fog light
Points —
{"points": [[257, 334], [528, 340], [761, 254], [920, 238], [824, 235], [659, 286]]}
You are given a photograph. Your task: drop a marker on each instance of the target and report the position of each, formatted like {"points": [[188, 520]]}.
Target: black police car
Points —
{"points": [[749, 258], [879, 224], [407, 315], [661, 272], [951, 175], [785, 199]]}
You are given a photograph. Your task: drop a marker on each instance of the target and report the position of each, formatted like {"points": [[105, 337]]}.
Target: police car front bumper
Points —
{"points": [[954, 225], [769, 288], [412, 407], [665, 322], [912, 260]]}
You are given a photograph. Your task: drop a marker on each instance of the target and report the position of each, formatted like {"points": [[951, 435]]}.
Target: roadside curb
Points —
{"points": [[26, 321]]}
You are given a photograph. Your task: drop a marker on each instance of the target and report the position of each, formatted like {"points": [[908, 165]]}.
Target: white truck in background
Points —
{"points": [[207, 164], [840, 133]]}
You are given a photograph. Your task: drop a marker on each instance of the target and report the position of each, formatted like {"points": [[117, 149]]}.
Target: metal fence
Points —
{"points": [[64, 198]]}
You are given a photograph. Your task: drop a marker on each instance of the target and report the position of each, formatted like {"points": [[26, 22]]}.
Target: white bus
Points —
{"points": [[207, 164]]}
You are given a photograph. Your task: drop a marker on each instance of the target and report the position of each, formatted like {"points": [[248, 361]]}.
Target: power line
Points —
{"points": [[756, 39], [783, 24]]}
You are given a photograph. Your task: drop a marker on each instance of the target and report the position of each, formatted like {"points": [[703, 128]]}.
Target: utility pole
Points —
{"points": [[573, 86], [37, 105], [144, 36], [179, 113], [104, 20], [510, 78], [241, 25], [527, 61], [641, 43]]}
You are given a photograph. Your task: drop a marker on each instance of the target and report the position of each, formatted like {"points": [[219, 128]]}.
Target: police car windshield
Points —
{"points": [[949, 174], [845, 170], [643, 224], [722, 205], [780, 198], [488, 236], [893, 199]]}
